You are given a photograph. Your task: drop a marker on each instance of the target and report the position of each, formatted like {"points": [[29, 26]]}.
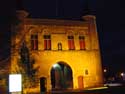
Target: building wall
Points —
{"points": [[77, 60], [80, 61]]}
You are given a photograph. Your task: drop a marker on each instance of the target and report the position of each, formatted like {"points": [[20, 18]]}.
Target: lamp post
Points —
{"points": [[105, 70], [105, 74]]}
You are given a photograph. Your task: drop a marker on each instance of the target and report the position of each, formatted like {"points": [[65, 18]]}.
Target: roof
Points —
{"points": [[30, 21]]}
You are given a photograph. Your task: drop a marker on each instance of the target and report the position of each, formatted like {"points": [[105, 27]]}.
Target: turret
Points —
{"points": [[91, 21], [21, 14]]}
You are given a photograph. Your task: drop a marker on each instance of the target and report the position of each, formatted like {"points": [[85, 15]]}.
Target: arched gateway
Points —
{"points": [[61, 76]]}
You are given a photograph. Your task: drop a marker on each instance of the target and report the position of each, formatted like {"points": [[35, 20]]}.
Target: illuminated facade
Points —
{"points": [[66, 53]]}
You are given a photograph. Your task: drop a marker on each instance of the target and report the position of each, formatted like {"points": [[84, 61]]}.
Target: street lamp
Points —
{"points": [[105, 70], [122, 74]]}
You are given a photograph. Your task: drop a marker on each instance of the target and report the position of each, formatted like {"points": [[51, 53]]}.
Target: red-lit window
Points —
{"points": [[82, 42], [47, 42], [71, 43], [34, 42]]}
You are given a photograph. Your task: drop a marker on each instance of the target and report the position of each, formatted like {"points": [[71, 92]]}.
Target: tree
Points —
{"points": [[26, 66]]}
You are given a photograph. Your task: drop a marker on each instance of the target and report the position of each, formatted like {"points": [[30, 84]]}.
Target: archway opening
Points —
{"points": [[61, 76]]}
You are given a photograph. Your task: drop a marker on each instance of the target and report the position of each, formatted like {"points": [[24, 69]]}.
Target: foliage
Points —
{"points": [[26, 66]]}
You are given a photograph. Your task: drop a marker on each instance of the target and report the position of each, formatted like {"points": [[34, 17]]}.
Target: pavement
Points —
{"points": [[67, 91], [97, 90]]}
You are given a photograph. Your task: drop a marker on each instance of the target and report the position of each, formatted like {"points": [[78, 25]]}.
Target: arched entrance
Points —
{"points": [[61, 76]]}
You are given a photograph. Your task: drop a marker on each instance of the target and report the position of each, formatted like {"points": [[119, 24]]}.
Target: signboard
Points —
{"points": [[15, 83]]}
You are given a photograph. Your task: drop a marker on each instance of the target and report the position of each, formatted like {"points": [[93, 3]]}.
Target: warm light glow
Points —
{"points": [[55, 65], [97, 88], [122, 74], [86, 70], [15, 83], [105, 70]]}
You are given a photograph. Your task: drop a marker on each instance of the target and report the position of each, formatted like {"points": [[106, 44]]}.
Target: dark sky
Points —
{"points": [[112, 34], [56, 8], [110, 22]]}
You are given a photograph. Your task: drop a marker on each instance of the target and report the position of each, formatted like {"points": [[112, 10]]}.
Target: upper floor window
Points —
{"points": [[82, 42], [34, 42], [47, 42], [71, 43], [59, 46]]}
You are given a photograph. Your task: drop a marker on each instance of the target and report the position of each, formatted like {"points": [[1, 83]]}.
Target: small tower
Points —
{"points": [[20, 11], [94, 40]]}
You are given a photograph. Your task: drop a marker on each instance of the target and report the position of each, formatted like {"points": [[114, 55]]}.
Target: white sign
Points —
{"points": [[15, 83]]}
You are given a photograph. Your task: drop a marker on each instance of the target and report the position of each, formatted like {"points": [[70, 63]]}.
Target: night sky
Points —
{"points": [[110, 22]]}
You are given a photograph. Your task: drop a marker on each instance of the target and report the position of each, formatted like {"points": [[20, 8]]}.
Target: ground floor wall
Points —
{"points": [[85, 66]]}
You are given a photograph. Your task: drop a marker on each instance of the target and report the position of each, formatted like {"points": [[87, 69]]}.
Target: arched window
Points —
{"points": [[59, 46], [34, 38], [86, 72]]}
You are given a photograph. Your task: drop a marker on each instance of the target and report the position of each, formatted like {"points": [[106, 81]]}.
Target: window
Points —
{"points": [[82, 42], [47, 42], [59, 46], [86, 72], [34, 42], [71, 43]]}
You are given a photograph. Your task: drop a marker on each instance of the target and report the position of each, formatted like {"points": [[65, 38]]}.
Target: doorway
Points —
{"points": [[61, 76]]}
